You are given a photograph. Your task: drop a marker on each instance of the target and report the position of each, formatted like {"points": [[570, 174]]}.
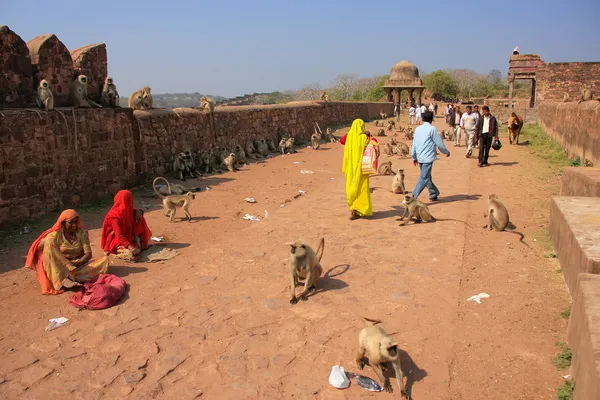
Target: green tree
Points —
{"points": [[377, 93], [441, 84]]}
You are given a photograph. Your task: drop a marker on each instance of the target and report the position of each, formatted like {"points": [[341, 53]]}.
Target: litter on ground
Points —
{"points": [[157, 238], [477, 298], [250, 217], [250, 199], [306, 171], [56, 323]]}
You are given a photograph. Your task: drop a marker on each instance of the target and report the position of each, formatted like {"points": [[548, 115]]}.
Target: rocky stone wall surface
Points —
{"points": [[576, 127], [54, 160], [51, 60], [555, 79], [16, 76], [92, 62]]}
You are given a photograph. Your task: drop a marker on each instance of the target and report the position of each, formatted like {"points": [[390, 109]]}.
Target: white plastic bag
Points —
{"points": [[338, 378]]}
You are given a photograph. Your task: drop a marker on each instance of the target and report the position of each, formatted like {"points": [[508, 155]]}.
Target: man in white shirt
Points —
{"points": [[456, 129], [418, 115], [423, 108], [431, 108], [468, 122], [411, 115]]}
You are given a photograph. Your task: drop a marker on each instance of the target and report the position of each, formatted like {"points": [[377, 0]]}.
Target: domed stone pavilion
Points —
{"points": [[403, 76]]}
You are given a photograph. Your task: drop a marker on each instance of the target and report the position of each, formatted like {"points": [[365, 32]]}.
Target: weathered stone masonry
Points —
{"points": [[47, 164]]}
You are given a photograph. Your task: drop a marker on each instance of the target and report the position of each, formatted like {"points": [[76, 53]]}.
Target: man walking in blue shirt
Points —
{"points": [[423, 153]]}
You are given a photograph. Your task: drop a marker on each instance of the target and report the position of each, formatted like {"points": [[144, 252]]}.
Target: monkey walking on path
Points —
{"points": [[379, 348], [172, 202], [305, 264]]}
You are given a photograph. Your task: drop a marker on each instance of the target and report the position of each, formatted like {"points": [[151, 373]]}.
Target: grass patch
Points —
{"points": [[547, 149], [565, 392], [551, 255], [558, 270], [543, 239], [566, 313], [562, 360]]}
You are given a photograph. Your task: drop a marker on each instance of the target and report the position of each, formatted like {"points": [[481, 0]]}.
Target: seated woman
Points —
{"points": [[122, 229], [61, 255]]}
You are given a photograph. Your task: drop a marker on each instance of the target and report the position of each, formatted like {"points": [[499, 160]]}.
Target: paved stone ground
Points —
{"points": [[216, 320]]}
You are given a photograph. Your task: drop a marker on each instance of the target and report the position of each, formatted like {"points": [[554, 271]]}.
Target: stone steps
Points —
{"points": [[575, 232]]}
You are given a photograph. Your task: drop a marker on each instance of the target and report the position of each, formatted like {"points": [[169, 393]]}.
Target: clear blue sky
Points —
{"points": [[231, 48]]}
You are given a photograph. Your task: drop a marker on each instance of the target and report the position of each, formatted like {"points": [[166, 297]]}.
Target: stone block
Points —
{"points": [[51, 60], [16, 76], [575, 232], [91, 61], [578, 181], [583, 335]]}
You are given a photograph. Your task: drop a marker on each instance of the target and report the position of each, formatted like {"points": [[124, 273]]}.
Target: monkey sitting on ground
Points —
{"points": [[315, 141], [179, 167], [408, 135], [262, 147], [229, 162], [379, 348], [498, 219], [45, 99], [391, 124], [173, 201], [79, 93], [287, 146], [110, 96], [380, 133], [388, 149], [398, 183], [240, 155], [330, 136], [305, 264], [190, 165], [271, 145], [382, 115], [203, 161], [415, 209], [176, 188], [251, 151], [401, 149], [207, 104], [378, 124], [385, 168]]}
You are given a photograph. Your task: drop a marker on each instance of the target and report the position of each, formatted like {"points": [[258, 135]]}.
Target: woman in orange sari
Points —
{"points": [[61, 255], [124, 231]]}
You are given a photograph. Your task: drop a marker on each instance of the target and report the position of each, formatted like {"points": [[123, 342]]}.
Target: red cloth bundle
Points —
{"points": [[103, 292]]}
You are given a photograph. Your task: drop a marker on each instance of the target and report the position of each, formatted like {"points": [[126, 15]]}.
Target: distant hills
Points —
{"points": [[175, 100]]}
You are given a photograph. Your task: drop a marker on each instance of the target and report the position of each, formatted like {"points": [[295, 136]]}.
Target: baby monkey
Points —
{"points": [[305, 264]]}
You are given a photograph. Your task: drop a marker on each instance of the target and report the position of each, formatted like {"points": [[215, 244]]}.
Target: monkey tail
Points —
{"points": [[321, 249], [370, 321], [156, 191], [521, 236]]}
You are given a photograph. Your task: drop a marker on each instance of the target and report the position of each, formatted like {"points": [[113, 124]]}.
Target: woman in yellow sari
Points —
{"points": [[358, 192], [61, 255]]}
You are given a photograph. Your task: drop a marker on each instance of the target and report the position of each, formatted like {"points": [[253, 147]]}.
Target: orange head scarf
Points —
{"points": [[34, 255], [122, 210]]}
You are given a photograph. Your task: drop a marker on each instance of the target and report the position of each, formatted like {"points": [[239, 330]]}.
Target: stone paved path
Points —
{"points": [[216, 320]]}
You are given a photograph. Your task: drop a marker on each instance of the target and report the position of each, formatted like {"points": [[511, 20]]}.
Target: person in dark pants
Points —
{"points": [[486, 132]]}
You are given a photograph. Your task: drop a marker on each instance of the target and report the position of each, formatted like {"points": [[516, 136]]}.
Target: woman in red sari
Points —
{"points": [[124, 231]]}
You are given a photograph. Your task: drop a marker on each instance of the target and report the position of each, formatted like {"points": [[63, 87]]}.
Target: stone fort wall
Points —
{"points": [[555, 79], [576, 127], [51, 161]]}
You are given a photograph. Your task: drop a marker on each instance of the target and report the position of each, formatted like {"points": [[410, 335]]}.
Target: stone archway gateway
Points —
{"points": [[404, 76]]}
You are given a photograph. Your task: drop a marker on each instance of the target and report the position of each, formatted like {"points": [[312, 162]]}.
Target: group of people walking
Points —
{"points": [[480, 129], [477, 127], [415, 113]]}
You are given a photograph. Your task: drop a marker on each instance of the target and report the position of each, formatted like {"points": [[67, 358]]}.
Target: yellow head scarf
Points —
{"points": [[356, 141]]}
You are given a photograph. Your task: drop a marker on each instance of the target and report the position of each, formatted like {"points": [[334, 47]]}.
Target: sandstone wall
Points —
{"points": [[52, 61], [576, 127], [50, 162], [554, 79], [16, 83]]}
